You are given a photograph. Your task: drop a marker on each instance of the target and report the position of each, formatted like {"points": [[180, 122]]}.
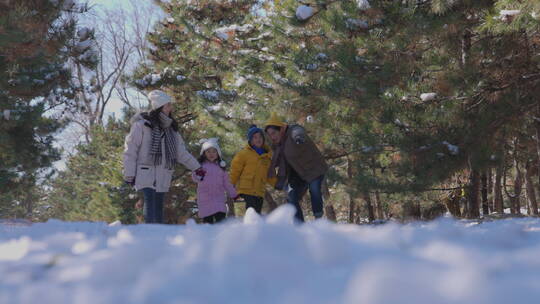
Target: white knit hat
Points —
{"points": [[212, 143], [158, 99]]}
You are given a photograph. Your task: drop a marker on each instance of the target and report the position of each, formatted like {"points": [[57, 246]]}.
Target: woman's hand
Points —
{"points": [[130, 180]]}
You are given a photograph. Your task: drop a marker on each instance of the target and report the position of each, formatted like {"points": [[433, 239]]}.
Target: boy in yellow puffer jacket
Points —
{"points": [[249, 169]]}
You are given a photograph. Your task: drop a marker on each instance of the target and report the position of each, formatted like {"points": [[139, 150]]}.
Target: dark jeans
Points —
{"points": [[214, 218], [254, 202], [153, 206], [297, 189]]}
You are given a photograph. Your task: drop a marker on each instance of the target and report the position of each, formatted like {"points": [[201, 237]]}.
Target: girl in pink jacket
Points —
{"points": [[213, 186]]}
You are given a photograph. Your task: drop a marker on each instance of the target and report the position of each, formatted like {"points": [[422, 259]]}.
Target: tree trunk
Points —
{"points": [[378, 206], [466, 43], [490, 191], [369, 206], [518, 185], [452, 203], [531, 194], [537, 127], [473, 207], [330, 213], [497, 190], [352, 209], [350, 192], [515, 207], [29, 202], [358, 212], [230, 205], [379, 213], [272, 205], [485, 204]]}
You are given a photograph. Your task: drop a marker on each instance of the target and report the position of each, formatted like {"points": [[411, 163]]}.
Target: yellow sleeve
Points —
{"points": [[237, 166]]}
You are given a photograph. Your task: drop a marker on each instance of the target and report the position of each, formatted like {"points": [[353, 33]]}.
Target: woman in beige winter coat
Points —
{"points": [[152, 148]]}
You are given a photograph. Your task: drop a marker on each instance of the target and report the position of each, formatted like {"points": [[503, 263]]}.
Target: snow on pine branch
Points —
{"points": [[428, 96], [217, 96], [363, 4], [154, 79], [453, 149], [226, 32], [304, 12], [356, 24]]}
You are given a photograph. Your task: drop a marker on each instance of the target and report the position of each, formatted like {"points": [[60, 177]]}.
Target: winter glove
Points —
{"points": [[200, 173], [298, 134], [130, 180]]}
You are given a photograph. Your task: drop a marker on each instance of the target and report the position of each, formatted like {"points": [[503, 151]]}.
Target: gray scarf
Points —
{"points": [[163, 130]]}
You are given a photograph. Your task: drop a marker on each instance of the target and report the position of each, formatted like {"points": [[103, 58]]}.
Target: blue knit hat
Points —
{"points": [[252, 130]]}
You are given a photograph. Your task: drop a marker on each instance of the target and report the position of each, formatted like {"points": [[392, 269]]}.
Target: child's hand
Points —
{"points": [[200, 173]]}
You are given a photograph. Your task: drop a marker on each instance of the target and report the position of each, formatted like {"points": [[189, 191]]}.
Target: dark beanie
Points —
{"points": [[252, 130]]}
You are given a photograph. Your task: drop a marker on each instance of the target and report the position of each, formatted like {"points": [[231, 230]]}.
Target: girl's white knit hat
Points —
{"points": [[158, 99], [212, 143]]}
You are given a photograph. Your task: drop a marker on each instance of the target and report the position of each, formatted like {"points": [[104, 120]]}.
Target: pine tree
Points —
{"points": [[35, 43], [429, 95], [403, 96], [92, 187]]}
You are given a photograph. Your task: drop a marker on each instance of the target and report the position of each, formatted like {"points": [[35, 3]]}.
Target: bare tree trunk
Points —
{"points": [[378, 206], [379, 213], [537, 127], [515, 207], [452, 203], [272, 205], [330, 213], [352, 209], [531, 194], [518, 185], [508, 194], [473, 207], [485, 204], [29, 202], [350, 192], [230, 205], [357, 216], [490, 191], [497, 190], [466, 43], [369, 206]]}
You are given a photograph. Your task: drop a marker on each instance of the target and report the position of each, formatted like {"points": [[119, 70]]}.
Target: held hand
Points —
{"points": [[298, 134], [237, 197], [299, 140], [200, 172], [130, 180]]}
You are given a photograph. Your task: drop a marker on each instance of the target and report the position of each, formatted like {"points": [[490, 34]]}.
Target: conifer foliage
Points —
{"points": [[36, 40]]}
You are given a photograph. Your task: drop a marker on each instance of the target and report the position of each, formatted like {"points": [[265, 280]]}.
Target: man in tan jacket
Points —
{"points": [[299, 164]]}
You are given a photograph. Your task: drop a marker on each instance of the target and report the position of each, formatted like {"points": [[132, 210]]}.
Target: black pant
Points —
{"points": [[254, 202], [214, 218], [153, 206]]}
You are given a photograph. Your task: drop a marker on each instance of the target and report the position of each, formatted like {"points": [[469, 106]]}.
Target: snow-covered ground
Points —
{"points": [[271, 260]]}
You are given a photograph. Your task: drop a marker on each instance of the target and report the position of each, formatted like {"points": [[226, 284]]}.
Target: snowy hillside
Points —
{"points": [[270, 260]]}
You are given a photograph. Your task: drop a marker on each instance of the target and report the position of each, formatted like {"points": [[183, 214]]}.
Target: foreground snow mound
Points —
{"points": [[271, 260]]}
